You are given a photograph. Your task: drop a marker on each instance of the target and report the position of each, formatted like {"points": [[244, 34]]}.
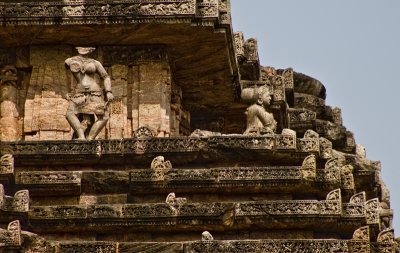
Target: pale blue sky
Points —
{"points": [[353, 48]]}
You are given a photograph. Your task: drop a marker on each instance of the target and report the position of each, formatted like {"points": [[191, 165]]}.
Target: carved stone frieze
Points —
{"points": [[251, 50], [124, 8], [18, 203], [11, 237], [88, 247], [50, 177], [362, 234]]}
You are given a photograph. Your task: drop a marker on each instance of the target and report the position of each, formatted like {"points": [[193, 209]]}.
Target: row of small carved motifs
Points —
{"points": [[52, 177], [94, 8]]}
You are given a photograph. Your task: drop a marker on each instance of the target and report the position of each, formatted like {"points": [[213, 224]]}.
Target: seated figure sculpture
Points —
{"points": [[259, 121], [87, 103]]}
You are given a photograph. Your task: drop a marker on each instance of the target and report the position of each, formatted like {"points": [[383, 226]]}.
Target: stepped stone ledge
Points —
{"points": [[150, 126]]}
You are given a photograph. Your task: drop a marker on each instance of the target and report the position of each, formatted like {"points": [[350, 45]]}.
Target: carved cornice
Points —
{"points": [[109, 12], [76, 150], [165, 177], [217, 214], [242, 246]]}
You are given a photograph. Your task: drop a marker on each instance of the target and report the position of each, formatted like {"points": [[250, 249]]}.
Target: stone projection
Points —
{"points": [[171, 137]]}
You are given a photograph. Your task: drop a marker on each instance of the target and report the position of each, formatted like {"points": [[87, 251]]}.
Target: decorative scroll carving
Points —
{"points": [[361, 234], [51, 177], [287, 140], [309, 167], [310, 142], [333, 203], [386, 241], [239, 45], [325, 148], [144, 132], [206, 236], [124, 8], [11, 238], [7, 164], [330, 173], [372, 209], [355, 207], [346, 177], [18, 203], [129, 55], [207, 9]]}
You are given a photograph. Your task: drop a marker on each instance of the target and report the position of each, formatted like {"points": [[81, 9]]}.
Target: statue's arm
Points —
{"points": [[104, 75]]}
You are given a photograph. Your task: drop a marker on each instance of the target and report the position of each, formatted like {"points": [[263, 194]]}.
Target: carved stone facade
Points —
{"points": [[178, 166]]}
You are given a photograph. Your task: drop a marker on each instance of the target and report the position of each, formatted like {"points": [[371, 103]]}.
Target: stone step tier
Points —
{"points": [[13, 239]]}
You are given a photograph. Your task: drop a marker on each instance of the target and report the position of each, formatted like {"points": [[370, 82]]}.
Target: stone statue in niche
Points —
{"points": [[87, 111], [259, 121]]}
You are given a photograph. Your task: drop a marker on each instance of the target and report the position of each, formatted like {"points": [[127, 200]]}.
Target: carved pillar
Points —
{"points": [[9, 124], [46, 105]]}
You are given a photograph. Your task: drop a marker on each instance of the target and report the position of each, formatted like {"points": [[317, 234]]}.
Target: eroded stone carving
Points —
{"points": [[18, 203], [309, 167], [11, 238], [346, 177], [355, 207], [286, 140], [361, 234], [385, 216], [372, 208], [174, 201], [325, 148], [330, 173], [259, 121], [87, 101], [7, 164], [206, 236], [310, 142], [144, 132], [386, 241]]}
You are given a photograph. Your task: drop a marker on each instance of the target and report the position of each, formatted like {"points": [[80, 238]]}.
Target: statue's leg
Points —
{"points": [[75, 124], [97, 126]]}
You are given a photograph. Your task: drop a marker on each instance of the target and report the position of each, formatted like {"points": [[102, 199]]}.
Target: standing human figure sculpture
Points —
{"points": [[87, 102], [259, 121]]}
